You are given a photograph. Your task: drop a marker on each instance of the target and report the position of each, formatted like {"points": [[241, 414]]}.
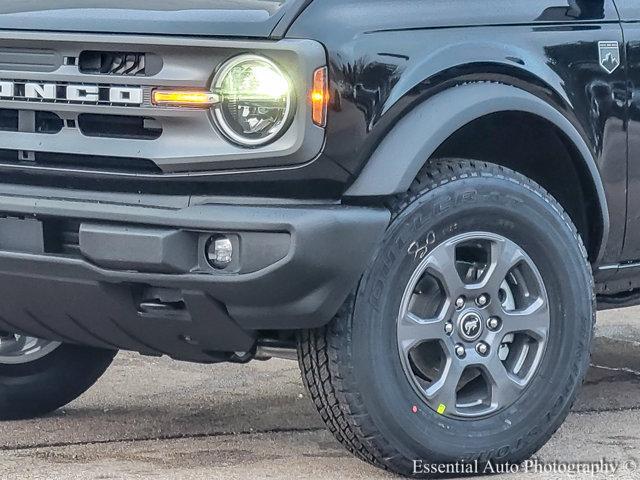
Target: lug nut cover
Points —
{"points": [[493, 323], [482, 300]]}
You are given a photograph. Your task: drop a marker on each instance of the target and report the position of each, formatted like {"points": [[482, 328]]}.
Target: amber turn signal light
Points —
{"points": [[320, 97], [184, 98]]}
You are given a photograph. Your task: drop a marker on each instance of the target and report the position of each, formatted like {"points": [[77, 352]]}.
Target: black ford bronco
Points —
{"points": [[424, 201]]}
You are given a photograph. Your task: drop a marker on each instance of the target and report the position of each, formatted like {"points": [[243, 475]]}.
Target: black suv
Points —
{"points": [[426, 199]]}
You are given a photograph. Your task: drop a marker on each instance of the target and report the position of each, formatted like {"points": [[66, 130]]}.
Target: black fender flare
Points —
{"points": [[404, 151]]}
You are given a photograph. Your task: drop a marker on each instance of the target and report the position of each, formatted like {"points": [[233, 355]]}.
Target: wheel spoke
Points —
{"points": [[504, 256], [533, 319], [444, 391], [413, 330], [442, 265], [22, 341], [9, 342], [505, 388]]}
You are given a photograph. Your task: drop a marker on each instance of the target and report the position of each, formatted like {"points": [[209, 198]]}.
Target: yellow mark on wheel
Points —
{"points": [[442, 408]]}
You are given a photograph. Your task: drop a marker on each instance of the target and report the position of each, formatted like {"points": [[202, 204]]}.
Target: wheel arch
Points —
{"points": [[455, 108]]}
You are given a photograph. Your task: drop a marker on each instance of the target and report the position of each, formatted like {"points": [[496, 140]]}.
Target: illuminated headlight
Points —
{"points": [[255, 100]]}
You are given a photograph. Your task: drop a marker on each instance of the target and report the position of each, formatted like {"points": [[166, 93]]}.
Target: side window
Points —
{"points": [[586, 9], [629, 9]]}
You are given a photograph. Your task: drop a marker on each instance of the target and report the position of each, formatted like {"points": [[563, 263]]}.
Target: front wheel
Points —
{"points": [[469, 335], [39, 376]]}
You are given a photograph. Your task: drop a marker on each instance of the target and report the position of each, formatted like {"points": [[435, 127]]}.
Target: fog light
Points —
{"points": [[220, 252]]}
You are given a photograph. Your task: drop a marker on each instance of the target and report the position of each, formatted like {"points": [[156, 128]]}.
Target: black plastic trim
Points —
{"points": [[329, 249], [410, 148]]}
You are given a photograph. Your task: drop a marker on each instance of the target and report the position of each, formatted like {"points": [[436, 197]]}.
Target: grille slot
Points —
{"points": [[48, 122], [62, 237], [119, 126], [119, 63], [8, 120], [67, 161], [33, 122]]}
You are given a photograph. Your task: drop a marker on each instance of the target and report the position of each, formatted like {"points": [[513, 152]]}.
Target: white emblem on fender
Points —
{"points": [[609, 53]]}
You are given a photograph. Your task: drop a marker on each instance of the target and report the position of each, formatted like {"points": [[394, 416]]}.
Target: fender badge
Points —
{"points": [[609, 56]]}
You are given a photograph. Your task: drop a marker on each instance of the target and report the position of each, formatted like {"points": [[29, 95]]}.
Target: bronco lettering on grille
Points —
{"points": [[53, 92]]}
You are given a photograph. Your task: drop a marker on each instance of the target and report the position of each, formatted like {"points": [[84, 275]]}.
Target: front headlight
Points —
{"points": [[255, 100]]}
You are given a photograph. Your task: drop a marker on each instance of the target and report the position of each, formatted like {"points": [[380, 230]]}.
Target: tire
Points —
{"points": [[34, 388], [355, 368]]}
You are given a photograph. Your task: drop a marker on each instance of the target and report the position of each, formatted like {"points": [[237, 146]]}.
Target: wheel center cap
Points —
{"points": [[470, 326]]}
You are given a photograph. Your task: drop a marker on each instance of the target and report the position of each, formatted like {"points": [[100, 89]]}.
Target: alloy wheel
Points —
{"points": [[473, 325], [17, 349]]}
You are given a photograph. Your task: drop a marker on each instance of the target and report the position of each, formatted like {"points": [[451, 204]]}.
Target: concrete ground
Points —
{"points": [[155, 418]]}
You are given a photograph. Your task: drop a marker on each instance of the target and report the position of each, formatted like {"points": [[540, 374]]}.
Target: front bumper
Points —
{"points": [[128, 272]]}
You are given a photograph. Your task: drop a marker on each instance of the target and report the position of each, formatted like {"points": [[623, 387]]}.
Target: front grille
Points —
{"points": [[68, 161], [119, 63], [78, 114]]}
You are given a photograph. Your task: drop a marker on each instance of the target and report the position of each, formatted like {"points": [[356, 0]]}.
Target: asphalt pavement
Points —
{"points": [[157, 418]]}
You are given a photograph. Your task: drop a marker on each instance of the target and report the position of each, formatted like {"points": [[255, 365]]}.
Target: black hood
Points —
{"points": [[238, 18]]}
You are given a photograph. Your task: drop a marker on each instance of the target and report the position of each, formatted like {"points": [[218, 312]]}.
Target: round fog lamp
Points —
{"points": [[220, 252], [255, 100]]}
